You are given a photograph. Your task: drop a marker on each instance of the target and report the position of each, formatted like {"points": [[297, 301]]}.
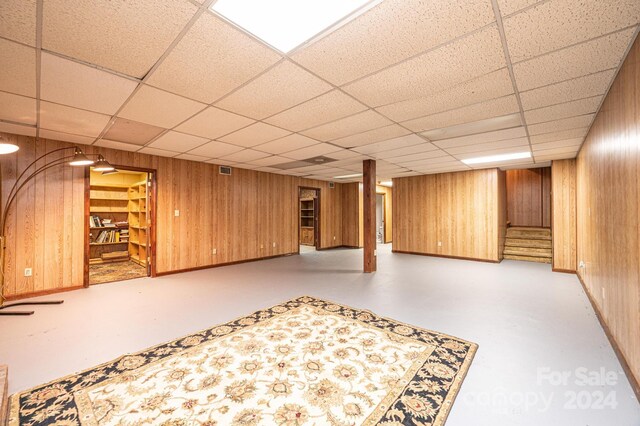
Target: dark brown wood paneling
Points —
{"points": [[369, 213], [564, 215], [529, 197], [608, 217]]}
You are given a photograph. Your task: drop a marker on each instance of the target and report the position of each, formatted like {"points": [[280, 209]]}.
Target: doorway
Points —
{"points": [[308, 219], [120, 225], [380, 215]]}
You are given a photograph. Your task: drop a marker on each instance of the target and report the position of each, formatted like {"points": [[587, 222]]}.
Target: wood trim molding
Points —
{"points": [[633, 381], [43, 293], [446, 256], [4, 394], [564, 271], [217, 265]]}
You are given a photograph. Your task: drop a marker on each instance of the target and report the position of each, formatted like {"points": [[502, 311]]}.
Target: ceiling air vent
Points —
{"points": [[225, 170]]}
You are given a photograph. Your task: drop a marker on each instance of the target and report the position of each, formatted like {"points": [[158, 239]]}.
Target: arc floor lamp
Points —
{"points": [[78, 159]]}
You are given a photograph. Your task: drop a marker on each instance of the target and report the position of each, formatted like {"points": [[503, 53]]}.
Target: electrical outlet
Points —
{"points": [[581, 264], [274, 243], [261, 246], [375, 252], [214, 251], [176, 213], [28, 272], [439, 243]]}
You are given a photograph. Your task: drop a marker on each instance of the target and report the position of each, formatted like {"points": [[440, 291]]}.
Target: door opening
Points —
{"points": [[380, 237], [120, 231], [309, 219]]}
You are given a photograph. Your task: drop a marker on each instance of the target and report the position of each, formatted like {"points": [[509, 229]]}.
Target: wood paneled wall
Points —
{"points": [[608, 199], [351, 211], [241, 215], [529, 197], [564, 215], [502, 212], [459, 210]]}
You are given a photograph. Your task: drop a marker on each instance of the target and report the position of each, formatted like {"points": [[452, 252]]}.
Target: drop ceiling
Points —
{"points": [[417, 85]]}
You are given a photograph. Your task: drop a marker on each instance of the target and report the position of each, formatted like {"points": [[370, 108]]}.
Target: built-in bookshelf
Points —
{"points": [[108, 226], [307, 221], [138, 223]]}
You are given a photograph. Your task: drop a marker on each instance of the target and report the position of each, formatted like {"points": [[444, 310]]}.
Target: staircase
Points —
{"points": [[530, 244]]}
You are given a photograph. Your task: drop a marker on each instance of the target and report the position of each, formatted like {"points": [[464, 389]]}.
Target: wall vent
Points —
{"points": [[225, 170]]}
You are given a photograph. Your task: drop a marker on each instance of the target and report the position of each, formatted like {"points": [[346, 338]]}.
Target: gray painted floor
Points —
{"points": [[532, 325]]}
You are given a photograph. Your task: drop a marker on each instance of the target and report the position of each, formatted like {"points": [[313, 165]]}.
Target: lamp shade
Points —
{"points": [[102, 165], [79, 159], [7, 147]]}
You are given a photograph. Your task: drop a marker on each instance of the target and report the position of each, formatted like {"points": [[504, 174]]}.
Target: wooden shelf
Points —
{"points": [[109, 199], [117, 228], [108, 244], [306, 227], [109, 185], [108, 210]]}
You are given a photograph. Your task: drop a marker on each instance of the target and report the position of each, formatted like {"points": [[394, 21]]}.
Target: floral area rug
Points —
{"points": [[304, 362]]}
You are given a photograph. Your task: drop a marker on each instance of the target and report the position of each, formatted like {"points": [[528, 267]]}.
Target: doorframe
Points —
{"points": [[151, 265], [316, 215], [384, 216]]}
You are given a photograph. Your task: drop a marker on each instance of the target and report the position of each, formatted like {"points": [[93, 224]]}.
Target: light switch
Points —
{"points": [[28, 272], [177, 213]]}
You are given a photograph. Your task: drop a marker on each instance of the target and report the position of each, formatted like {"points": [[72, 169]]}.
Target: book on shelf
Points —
{"points": [[109, 237], [95, 222]]}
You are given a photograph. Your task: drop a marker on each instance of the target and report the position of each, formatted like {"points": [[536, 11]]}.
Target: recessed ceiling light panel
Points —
{"points": [[287, 24], [497, 158]]}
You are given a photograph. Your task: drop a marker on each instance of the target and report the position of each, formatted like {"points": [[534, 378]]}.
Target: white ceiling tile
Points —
{"points": [[565, 110], [211, 60], [267, 170], [269, 161], [17, 68], [117, 145], [126, 36], [372, 136], [347, 126], [560, 135], [176, 141], [213, 123], [551, 157], [493, 108], [158, 152], [245, 156], [454, 166], [490, 146], [347, 155], [282, 87], [557, 144], [578, 88], [434, 71], [192, 157], [80, 86], [17, 129], [323, 109], [560, 125], [130, 131], [489, 86], [216, 149], [508, 7], [65, 137], [407, 150], [553, 25], [18, 20], [287, 143], [419, 156], [71, 120], [390, 32], [475, 127], [510, 164], [17, 108], [395, 143], [442, 161], [576, 61], [312, 151], [571, 149], [499, 135], [254, 134], [159, 108]]}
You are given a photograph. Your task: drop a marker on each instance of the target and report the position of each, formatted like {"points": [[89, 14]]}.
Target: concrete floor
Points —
{"points": [[538, 336]]}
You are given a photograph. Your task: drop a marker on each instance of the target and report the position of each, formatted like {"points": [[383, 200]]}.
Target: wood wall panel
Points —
{"points": [[608, 199], [460, 210], [502, 212], [351, 210], [241, 215], [529, 197], [388, 211], [564, 215]]}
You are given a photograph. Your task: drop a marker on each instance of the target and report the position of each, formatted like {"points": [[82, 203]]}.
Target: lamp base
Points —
{"points": [[24, 313]]}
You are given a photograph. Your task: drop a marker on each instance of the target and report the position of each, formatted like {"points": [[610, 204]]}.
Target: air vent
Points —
{"points": [[332, 185], [225, 170]]}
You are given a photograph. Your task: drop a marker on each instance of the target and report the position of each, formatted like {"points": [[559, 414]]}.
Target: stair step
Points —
{"points": [[527, 258], [527, 251], [529, 233], [521, 242]]}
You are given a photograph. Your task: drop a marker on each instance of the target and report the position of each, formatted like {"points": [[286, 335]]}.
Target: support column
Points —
{"points": [[369, 213]]}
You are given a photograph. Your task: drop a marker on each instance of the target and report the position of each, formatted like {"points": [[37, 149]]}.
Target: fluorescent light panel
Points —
{"points": [[348, 176], [286, 24], [497, 158]]}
